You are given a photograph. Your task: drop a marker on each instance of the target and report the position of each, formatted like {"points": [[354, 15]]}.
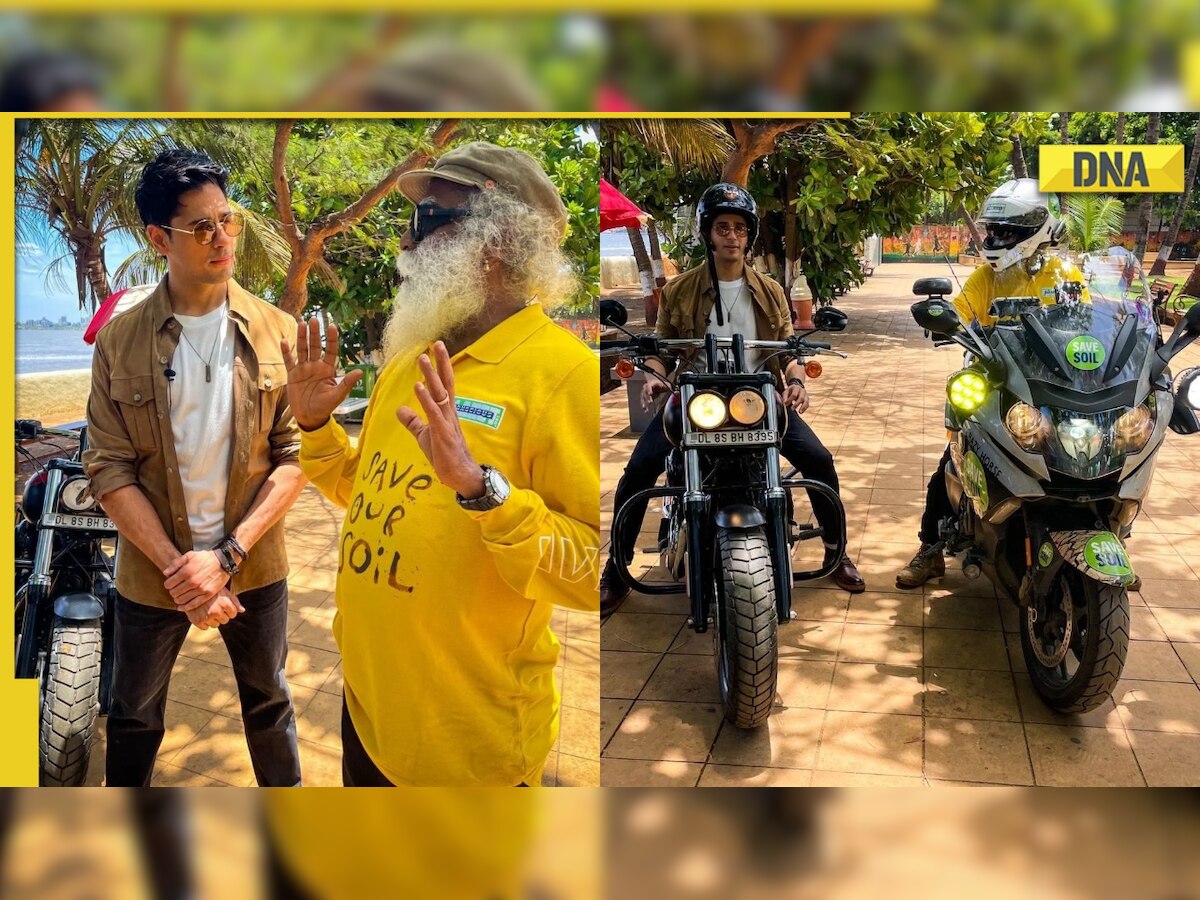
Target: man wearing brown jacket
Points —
{"points": [[194, 456], [742, 302]]}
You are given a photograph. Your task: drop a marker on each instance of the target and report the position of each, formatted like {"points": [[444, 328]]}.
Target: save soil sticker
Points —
{"points": [[1085, 353], [1104, 553], [1045, 554], [975, 481]]}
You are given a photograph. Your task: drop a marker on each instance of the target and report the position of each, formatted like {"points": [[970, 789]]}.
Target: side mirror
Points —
{"points": [[936, 316], [613, 312], [828, 318], [931, 287]]}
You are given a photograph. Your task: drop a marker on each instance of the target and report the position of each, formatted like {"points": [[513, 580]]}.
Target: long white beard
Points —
{"points": [[441, 289]]}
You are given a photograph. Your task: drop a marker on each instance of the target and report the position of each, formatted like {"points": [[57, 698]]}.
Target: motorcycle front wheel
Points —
{"points": [[747, 625], [70, 702], [1075, 641]]}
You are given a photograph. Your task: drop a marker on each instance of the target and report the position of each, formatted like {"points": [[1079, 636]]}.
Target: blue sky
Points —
{"points": [[35, 298]]}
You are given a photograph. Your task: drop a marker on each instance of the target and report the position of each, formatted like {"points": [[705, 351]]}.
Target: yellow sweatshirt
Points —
{"points": [[443, 615], [974, 301]]}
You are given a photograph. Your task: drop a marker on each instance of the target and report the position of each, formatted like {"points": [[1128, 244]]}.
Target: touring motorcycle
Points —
{"points": [[1055, 420]]}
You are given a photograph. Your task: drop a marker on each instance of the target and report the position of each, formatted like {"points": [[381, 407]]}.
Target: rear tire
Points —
{"points": [[1096, 649], [747, 626], [70, 702]]}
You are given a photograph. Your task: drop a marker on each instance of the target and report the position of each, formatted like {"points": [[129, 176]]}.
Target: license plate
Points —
{"points": [[729, 438], [84, 523]]}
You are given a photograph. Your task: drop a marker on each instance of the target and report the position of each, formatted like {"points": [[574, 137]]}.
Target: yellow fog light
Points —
{"points": [[707, 410], [967, 390], [1134, 428], [1027, 425], [747, 407]]}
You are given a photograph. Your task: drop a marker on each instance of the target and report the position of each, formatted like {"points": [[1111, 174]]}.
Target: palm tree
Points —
{"points": [[74, 189], [1094, 221], [1145, 207], [1168, 244]]}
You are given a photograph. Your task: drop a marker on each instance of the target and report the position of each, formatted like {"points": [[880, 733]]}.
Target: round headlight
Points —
{"points": [[1026, 424], [707, 410], [1080, 438], [967, 391], [1134, 428], [76, 495], [747, 407]]}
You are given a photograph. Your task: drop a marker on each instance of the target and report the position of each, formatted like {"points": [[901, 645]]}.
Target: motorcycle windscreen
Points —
{"points": [[1077, 349]]}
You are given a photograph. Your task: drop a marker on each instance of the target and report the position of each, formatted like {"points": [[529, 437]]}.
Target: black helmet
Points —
{"points": [[727, 198]]}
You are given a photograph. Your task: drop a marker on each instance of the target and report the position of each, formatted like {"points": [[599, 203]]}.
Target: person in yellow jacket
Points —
{"points": [[1021, 223], [472, 497]]}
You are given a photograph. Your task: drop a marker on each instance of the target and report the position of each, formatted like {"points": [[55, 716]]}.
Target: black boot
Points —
{"points": [[613, 590]]}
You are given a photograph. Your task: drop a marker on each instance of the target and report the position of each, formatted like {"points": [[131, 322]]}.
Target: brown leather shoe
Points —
{"points": [[613, 590], [846, 576], [928, 563]]}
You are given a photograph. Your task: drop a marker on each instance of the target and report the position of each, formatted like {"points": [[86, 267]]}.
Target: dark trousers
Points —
{"points": [[357, 768], [147, 641], [937, 503], [801, 447]]}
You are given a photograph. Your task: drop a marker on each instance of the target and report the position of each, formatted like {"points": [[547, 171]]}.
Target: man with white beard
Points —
{"points": [[472, 498]]}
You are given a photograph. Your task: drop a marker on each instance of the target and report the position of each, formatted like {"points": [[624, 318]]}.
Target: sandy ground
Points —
{"points": [[54, 398]]}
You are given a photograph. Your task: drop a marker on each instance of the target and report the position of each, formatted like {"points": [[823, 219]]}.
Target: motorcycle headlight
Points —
{"points": [[1134, 428], [747, 407], [1080, 438], [1027, 425], [707, 410], [76, 495], [967, 391]]}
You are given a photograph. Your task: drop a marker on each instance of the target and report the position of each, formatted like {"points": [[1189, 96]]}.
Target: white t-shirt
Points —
{"points": [[738, 308], [202, 420]]}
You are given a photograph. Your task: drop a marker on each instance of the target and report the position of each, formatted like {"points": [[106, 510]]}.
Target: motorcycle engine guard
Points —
{"points": [[1094, 552], [78, 607]]}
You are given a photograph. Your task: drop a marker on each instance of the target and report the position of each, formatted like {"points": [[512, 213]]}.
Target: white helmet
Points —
{"points": [[1019, 220]]}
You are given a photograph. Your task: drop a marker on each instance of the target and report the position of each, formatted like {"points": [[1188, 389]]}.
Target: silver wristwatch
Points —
{"points": [[496, 491]]}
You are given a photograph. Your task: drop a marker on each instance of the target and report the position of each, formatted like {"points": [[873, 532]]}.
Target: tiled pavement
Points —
{"points": [[205, 743], [905, 688]]}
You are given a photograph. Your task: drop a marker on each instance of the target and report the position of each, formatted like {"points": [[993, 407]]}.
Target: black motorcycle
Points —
{"points": [[65, 591], [731, 529]]}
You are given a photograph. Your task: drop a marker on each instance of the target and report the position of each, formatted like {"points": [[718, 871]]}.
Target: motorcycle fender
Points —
{"points": [[1099, 555], [740, 517], [78, 607]]}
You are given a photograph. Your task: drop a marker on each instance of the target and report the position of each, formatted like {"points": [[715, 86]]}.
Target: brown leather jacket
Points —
{"points": [[131, 440], [688, 299]]}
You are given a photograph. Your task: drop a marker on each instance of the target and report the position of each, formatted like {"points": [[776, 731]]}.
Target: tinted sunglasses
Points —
{"points": [[428, 217], [206, 229]]}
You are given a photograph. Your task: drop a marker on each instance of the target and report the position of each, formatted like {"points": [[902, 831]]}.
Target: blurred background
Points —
{"points": [[171, 844], [988, 54]]}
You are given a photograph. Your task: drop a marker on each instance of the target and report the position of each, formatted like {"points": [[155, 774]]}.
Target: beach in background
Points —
{"points": [[53, 398]]}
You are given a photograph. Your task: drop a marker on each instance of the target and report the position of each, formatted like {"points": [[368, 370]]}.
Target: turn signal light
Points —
{"points": [[625, 368], [813, 368]]}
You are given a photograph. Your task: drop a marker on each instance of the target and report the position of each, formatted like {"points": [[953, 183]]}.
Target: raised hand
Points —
{"points": [[440, 435], [313, 389]]}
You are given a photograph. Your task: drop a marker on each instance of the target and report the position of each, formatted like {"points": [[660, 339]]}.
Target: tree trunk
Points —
{"points": [[1119, 137], [97, 272], [1147, 203], [1020, 170], [645, 273], [656, 259], [791, 231], [1192, 287], [971, 227], [1168, 243], [754, 141], [309, 249], [1064, 138]]}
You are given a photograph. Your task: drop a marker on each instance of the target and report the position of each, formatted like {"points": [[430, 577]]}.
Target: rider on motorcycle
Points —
{"points": [[1021, 223], [743, 302]]}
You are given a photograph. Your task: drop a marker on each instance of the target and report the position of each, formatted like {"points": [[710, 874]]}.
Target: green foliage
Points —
{"points": [[1094, 221]]}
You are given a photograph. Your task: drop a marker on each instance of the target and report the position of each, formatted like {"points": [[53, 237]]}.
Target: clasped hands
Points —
{"points": [[199, 585]]}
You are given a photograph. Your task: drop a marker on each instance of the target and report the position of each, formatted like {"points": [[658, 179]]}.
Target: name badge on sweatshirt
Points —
{"points": [[479, 412]]}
